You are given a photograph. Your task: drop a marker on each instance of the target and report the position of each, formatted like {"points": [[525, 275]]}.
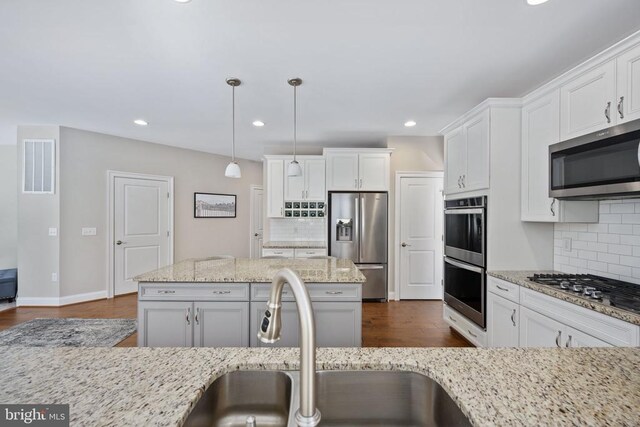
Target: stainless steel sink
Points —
{"points": [[344, 398], [265, 395], [382, 398]]}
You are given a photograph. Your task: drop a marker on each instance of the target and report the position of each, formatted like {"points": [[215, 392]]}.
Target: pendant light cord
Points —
{"points": [[295, 121], [233, 121]]}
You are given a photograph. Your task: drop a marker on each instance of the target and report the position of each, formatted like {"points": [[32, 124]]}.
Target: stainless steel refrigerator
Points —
{"points": [[358, 231]]}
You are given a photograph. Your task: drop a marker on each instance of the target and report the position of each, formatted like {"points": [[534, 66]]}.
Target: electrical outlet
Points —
{"points": [[566, 243], [54, 277], [53, 231], [88, 231]]}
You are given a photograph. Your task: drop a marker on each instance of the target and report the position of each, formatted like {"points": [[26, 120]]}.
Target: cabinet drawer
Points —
{"points": [[466, 328], [285, 253], [192, 292], [505, 289], [306, 253], [606, 328], [317, 292], [261, 291]]}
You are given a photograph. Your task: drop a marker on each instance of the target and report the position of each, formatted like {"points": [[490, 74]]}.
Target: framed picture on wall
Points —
{"points": [[210, 205]]}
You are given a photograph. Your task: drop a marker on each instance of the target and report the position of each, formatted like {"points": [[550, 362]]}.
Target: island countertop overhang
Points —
{"points": [[245, 270]]}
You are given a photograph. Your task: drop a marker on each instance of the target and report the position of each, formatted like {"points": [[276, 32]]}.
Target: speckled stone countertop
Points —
{"points": [[294, 245], [159, 386], [520, 278], [243, 270]]}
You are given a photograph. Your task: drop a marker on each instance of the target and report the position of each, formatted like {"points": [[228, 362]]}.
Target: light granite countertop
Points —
{"points": [[245, 270], [159, 386], [294, 245], [520, 278]]}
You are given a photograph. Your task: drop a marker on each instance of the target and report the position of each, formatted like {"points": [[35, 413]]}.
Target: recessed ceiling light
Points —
{"points": [[258, 123], [182, 1], [536, 2], [140, 122], [410, 124]]}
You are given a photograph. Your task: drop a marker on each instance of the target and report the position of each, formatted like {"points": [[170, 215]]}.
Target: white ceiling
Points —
{"points": [[367, 65]]}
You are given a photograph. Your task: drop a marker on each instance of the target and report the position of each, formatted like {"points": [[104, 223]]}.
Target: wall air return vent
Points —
{"points": [[38, 166]]}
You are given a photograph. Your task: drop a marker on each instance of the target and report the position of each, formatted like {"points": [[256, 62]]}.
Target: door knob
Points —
{"points": [[404, 245], [256, 234], [119, 242]]}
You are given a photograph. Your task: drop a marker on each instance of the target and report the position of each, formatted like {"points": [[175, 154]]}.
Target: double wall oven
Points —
{"points": [[465, 238]]}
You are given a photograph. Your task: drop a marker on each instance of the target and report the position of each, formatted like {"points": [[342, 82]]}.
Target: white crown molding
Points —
{"points": [[487, 103]]}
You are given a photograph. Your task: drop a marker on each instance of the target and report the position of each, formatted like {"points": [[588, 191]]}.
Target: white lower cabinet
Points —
{"points": [[165, 324], [221, 324], [503, 317], [537, 330]]}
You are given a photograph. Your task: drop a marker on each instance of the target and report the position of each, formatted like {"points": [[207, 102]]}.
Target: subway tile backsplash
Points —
{"points": [[610, 248], [297, 229]]}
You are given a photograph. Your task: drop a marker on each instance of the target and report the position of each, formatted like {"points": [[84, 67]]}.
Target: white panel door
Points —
{"points": [[257, 228], [221, 324], [476, 133], [342, 171], [275, 188], [421, 238], [141, 229], [315, 180], [537, 330], [374, 172], [587, 103], [503, 317], [540, 128], [455, 160], [628, 70]]}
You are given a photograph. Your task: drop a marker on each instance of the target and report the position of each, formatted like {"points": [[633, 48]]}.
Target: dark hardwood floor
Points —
{"points": [[393, 324]]}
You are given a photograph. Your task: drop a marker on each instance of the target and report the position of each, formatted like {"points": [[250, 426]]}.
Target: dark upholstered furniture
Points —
{"points": [[8, 284]]}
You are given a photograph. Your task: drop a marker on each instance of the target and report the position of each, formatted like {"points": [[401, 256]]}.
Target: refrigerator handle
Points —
{"points": [[361, 228], [356, 226]]}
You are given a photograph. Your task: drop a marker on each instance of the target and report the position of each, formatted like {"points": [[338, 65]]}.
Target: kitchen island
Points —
{"points": [[219, 302], [160, 386]]}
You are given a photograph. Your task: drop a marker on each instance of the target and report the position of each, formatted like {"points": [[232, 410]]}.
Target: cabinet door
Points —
{"points": [[275, 188], [315, 181], [628, 101], [294, 185], [342, 171], [165, 324], [476, 133], [537, 330], [540, 128], [374, 172], [221, 324], [338, 324], [455, 160], [290, 326], [503, 317], [577, 338], [587, 103]]}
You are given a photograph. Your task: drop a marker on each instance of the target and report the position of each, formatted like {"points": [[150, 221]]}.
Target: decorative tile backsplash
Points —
{"points": [[297, 229], [610, 248]]}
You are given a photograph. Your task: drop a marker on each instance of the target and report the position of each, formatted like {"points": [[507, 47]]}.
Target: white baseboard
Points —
{"points": [[392, 296], [56, 302]]}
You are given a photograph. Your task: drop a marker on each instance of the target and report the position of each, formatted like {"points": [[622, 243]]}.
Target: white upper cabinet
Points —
{"points": [[274, 174], [310, 185], [355, 170], [588, 102], [628, 71], [467, 155], [541, 128]]}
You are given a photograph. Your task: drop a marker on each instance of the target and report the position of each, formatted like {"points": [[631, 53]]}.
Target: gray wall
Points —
{"points": [[8, 206], [85, 158], [410, 154], [38, 253]]}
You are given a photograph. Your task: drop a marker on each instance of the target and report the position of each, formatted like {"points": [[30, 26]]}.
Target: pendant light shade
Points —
{"points": [[294, 168], [233, 168]]}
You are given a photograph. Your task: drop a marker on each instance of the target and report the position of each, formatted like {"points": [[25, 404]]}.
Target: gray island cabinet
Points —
{"points": [[219, 302]]}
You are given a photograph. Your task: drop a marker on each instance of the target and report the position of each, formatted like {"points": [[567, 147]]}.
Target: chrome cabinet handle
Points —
{"points": [[464, 178], [552, 207], [281, 211], [333, 292], [196, 318], [607, 112], [221, 292], [302, 194], [459, 184], [355, 184], [188, 316], [502, 289], [513, 317], [621, 107], [162, 291], [453, 320], [568, 344], [472, 334], [306, 194], [360, 182], [558, 339]]}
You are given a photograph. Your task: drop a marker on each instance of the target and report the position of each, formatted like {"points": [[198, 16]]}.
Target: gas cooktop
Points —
{"points": [[611, 292]]}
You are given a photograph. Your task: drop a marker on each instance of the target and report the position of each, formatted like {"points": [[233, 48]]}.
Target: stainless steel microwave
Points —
{"points": [[600, 165]]}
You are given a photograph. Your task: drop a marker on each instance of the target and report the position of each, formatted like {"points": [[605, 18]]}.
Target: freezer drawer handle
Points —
{"points": [[221, 292], [372, 267], [333, 292]]}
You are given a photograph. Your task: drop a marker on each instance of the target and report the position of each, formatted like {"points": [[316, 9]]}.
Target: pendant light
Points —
{"points": [[294, 168], [233, 169]]}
